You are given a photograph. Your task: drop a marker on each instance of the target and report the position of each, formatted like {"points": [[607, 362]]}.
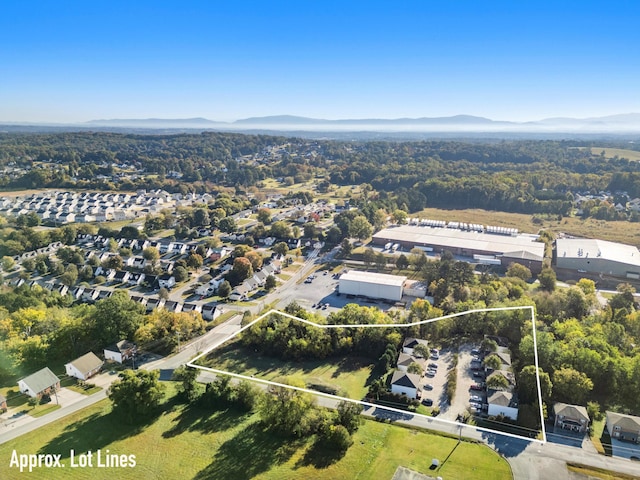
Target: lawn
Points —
{"points": [[618, 231], [348, 374], [192, 443], [619, 152]]}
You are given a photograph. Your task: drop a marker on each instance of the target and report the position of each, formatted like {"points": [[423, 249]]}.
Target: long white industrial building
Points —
{"points": [[505, 244], [372, 285]]}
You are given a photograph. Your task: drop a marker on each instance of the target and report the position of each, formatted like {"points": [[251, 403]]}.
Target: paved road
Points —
{"points": [[165, 365], [528, 460]]}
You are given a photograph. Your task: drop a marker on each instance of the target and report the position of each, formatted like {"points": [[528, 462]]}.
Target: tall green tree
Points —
{"points": [[117, 317], [136, 395], [286, 411]]}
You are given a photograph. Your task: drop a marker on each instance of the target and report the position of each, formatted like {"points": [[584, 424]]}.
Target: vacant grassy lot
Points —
{"points": [[619, 152], [191, 443], [623, 232], [351, 375]]}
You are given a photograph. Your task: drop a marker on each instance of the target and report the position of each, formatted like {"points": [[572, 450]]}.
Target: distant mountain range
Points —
{"points": [[624, 122], [625, 126]]}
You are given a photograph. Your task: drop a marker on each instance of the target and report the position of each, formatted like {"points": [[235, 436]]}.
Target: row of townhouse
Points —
{"points": [[93, 294], [68, 207], [256, 281], [168, 249]]}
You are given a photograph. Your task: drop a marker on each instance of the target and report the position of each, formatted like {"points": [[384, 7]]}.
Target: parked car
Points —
{"points": [[478, 374], [435, 356], [428, 386], [475, 405], [475, 351], [433, 365], [434, 351], [475, 398], [475, 386], [430, 374], [427, 401]]}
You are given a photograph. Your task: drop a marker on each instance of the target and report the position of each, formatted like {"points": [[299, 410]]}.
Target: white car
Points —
{"points": [[475, 398]]}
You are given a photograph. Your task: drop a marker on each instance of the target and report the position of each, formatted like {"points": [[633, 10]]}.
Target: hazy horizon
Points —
{"points": [[78, 61]]}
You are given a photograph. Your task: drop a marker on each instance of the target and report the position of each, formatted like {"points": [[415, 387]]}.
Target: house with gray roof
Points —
{"points": [[84, 367], [43, 382], [571, 417], [623, 427], [407, 384]]}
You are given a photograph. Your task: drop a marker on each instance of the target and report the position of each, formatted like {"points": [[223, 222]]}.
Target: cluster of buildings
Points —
{"points": [[45, 382], [403, 382], [69, 207], [490, 245]]}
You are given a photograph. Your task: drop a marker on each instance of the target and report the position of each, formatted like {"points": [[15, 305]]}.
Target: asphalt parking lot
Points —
{"points": [[460, 403], [438, 381], [322, 290]]}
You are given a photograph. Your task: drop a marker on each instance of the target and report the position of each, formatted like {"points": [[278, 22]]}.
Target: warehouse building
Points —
{"points": [[372, 285], [491, 246], [598, 256]]}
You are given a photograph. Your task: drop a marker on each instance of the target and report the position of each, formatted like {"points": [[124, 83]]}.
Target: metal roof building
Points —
{"points": [[516, 247], [598, 256], [372, 285]]}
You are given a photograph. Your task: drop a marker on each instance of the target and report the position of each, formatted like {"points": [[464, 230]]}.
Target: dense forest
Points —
{"points": [[518, 176]]}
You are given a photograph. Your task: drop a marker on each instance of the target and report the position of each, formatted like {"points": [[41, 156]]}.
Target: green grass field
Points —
{"points": [[619, 152], [348, 374], [192, 443]]}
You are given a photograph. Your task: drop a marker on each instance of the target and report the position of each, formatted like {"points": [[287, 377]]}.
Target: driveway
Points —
{"points": [[67, 397], [625, 449]]}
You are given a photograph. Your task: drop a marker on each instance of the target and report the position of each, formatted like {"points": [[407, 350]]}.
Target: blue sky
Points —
{"points": [[72, 61]]}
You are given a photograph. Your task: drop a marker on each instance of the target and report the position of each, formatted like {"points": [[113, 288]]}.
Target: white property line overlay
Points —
{"points": [[386, 325]]}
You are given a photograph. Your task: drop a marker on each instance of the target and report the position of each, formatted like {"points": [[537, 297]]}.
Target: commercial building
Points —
{"points": [[598, 256], [491, 245], [372, 285]]}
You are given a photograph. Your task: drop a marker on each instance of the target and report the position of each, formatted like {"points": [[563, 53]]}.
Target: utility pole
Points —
{"points": [[178, 335]]}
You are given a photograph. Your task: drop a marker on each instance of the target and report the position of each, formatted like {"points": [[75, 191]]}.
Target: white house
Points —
{"points": [[410, 343], [84, 367], [166, 281], [405, 360], [502, 403], [43, 382], [120, 352], [405, 384]]}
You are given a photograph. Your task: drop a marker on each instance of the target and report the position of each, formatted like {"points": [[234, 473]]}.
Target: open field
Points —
{"points": [[192, 443], [618, 231], [619, 152], [348, 374]]}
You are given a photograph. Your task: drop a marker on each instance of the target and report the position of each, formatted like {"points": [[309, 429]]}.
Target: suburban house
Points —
{"points": [[502, 403], [210, 312], [155, 304], [405, 360], [43, 382], [166, 281], [405, 384], [192, 307], [120, 352], [3, 404], [623, 427], [84, 367], [571, 417], [410, 343], [172, 306]]}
